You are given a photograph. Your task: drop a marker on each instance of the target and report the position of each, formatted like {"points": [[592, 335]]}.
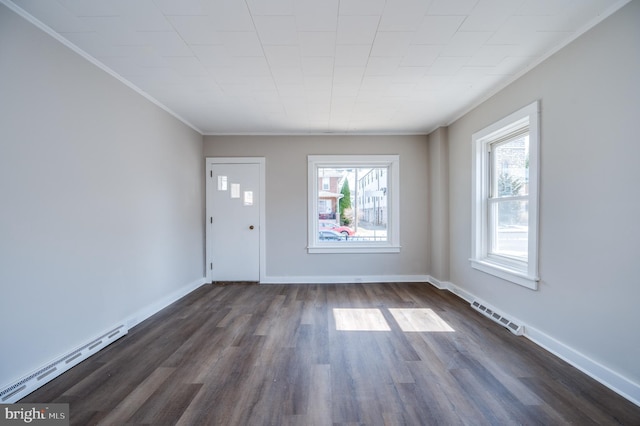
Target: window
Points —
{"points": [[326, 183], [354, 204], [505, 198]]}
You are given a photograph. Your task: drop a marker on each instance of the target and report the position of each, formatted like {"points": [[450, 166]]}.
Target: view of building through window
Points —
{"points": [[505, 198], [352, 204]]}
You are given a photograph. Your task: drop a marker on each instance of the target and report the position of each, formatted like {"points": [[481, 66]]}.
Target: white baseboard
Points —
{"points": [[344, 279], [40, 376], [604, 375], [446, 285], [614, 381], [159, 305], [609, 378], [43, 375]]}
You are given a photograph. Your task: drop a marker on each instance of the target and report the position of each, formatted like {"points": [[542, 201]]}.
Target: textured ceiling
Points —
{"points": [[317, 66]]}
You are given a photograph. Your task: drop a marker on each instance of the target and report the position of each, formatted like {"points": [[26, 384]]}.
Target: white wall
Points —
{"points": [[286, 203], [101, 201], [589, 205]]}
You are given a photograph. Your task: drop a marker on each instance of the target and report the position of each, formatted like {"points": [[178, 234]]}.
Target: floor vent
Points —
{"points": [[515, 328], [33, 381]]}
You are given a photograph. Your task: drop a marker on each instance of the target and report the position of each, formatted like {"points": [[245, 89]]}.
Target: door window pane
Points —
{"points": [[235, 190], [248, 198], [222, 183]]}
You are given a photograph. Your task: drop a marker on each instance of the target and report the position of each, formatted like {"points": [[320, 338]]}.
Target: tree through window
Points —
{"points": [[505, 198], [352, 203]]}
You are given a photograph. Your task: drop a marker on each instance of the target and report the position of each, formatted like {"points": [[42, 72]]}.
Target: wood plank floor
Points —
{"points": [[358, 354]]}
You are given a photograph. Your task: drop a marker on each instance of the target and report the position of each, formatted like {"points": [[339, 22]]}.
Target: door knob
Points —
{"points": [[251, 227]]}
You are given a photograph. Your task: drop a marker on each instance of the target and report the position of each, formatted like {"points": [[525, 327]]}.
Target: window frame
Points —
{"points": [[392, 164], [524, 273]]}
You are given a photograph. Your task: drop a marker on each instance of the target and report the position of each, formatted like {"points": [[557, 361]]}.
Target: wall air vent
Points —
{"points": [[31, 382], [514, 327]]}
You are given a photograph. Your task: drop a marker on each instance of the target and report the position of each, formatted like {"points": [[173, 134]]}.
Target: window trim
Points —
{"points": [[392, 163], [518, 272]]}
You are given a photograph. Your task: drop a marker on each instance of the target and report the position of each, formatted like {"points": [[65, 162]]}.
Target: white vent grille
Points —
{"points": [[514, 327], [33, 381]]}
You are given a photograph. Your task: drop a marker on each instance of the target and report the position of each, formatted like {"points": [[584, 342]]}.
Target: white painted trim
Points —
{"points": [[70, 359], [157, 306], [602, 374], [454, 117], [343, 279], [354, 248], [457, 115], [521, 273], [614, 381], [22, 387], [261, 161], [51, 32], [392, 163], [440, 285], [501, 86], [446, 285], [506, 274], [355, 133]]}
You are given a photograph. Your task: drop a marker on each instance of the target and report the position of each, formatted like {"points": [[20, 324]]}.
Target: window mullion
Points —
{"points": [[510, 198]]}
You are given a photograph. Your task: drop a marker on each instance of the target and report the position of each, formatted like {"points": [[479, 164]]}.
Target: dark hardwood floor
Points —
{"points": [[358, 354]]}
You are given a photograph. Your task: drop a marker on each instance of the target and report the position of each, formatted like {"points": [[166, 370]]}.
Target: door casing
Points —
{"points": [[210, 208]]}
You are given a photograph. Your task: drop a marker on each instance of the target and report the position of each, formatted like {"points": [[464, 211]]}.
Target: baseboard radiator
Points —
{"points": [[33, 381], [512, 326]]}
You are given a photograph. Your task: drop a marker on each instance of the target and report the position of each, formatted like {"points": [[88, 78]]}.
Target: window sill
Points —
{"points": [[353, 249], [512, 275]]}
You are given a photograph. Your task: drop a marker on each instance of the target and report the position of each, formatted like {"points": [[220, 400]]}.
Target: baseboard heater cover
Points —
{"points": [[40, 377], [512, 326]]}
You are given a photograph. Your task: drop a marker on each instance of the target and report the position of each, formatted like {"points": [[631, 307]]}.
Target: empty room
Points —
{"points": [[337, 212]]}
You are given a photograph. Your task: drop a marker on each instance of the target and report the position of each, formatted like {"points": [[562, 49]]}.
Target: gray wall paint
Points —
{"points": [[101, 200], [439, 204], [590, 208], [286, 201]]}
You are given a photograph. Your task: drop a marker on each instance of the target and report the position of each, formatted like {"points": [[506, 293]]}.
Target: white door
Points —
{"points": [[233, 216]]}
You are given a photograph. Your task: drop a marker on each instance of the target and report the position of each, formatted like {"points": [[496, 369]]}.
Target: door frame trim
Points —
{"points": [[210, 185]]}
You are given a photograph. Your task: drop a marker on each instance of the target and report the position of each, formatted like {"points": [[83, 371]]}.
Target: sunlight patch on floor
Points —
{"points": [[360, 319], [419, 319]]}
